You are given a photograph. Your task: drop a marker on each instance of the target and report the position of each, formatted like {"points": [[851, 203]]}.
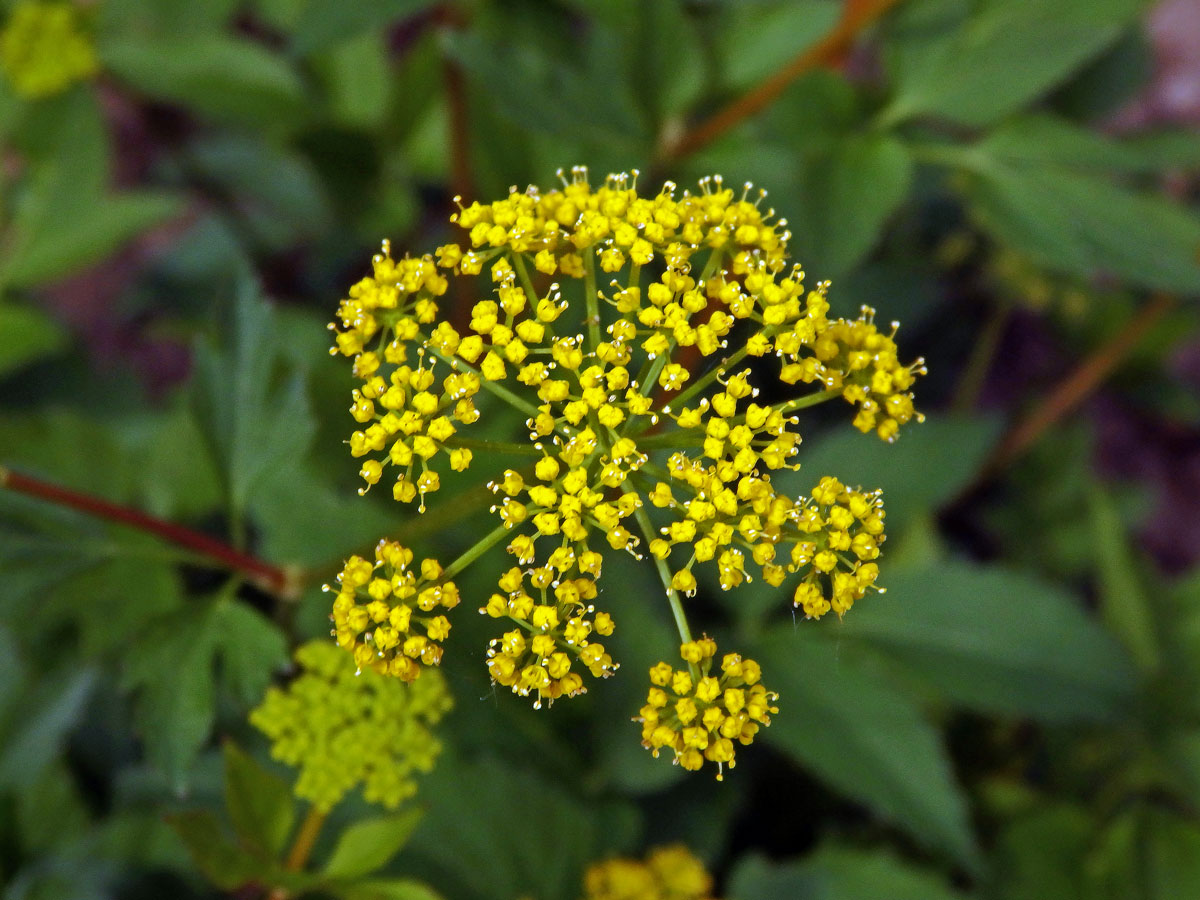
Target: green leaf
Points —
{"points": [[358, 78], [322, 23], [280, 196], [259, 803], [998, 61], [26, 336], [854, 190], [472, 808], [1086, 225], [998, 641], [388, 889], [863, 737], [96, 228], [1172, 856], [251, 649], [836, 874], [581, 96], [1124, 603], [224, 76], [337, 522], [367, 845], [223, 863], [927, 467], [1039, 139], [171, 669], [762, 37], [48, 714], [255, 425], [1043, 855]]}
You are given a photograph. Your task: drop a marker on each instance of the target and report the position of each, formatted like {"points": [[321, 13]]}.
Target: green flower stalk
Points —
{"points": [[637, 336]]}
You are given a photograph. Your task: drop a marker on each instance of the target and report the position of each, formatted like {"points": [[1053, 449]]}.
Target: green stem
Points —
{"points": [[681, 622], [526, 282], [983, 354], [591, 298], [489, 446], [483, 546], [680, 439], [490, 386], [708, 378]]}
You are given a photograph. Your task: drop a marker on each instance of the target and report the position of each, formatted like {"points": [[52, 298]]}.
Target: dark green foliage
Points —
{"points": [[1016, 718]]}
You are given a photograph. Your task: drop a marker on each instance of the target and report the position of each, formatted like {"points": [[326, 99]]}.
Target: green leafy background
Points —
{"points": [[1016, 717]]}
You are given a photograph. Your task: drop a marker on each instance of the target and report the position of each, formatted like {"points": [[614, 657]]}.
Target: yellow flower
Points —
{"points": [[658, 349], [704, 715], [385, 613], [668, 873], [342, 726], [44, 49]]}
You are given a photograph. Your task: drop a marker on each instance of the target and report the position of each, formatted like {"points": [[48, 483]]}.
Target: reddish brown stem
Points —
{"points": [[1077, 386], [856, 16], [262, 574]]}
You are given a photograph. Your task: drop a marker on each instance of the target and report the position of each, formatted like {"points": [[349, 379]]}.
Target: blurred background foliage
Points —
{"points": [[1014, 180]]}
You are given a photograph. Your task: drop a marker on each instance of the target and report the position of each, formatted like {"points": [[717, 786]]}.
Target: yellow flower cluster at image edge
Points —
{"points": [[342, 727], [658, 349], [668, 873], [44, 48]]}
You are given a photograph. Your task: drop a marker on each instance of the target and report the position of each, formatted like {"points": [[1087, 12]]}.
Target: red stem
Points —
{"points": [[262, 574], [856, 16]]}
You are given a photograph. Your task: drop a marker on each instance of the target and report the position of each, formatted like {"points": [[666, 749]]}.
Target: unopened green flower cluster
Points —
{"points": [[342, 727], [44, 48], [658, 348]]}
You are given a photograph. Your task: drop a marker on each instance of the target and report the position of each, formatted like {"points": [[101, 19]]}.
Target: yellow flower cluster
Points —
{"points": [[383, 611], [840, 532], [341, 727], [553, 628], [657, 349], [44, 49], [668, 873], [698, 715]]}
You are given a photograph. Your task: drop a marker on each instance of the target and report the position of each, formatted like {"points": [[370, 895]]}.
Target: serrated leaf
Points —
{"points": [[863, 737], [367, 845], [1086, 225], [171, 668], [259, 802], [547, 93], [26, 336], [997, 641], [837, 874], [223, 863], [215, 73], [251, 648], [254, 424], [998, 61]]}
